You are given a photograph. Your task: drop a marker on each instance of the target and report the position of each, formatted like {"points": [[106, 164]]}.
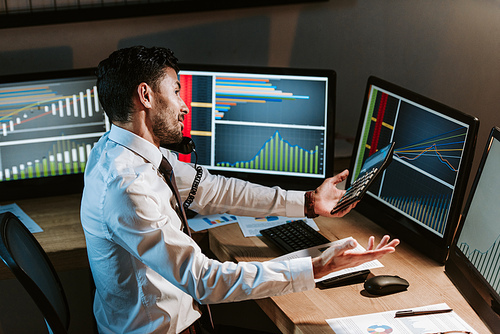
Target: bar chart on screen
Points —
{"points": [[46, 158], [254, 92], [278, 154], [485, 260], [275, 152], [48, 129]]}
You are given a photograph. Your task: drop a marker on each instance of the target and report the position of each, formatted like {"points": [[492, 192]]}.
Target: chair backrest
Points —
{"points": [[22, 253]]}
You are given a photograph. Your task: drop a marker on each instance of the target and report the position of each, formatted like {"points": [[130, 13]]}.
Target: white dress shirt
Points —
{"points": [[148, 273]]}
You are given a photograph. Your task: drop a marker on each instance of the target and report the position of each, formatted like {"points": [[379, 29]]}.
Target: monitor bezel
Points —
{"points": [[473, 286], [397, 224], [284, 181], [50, 185]]}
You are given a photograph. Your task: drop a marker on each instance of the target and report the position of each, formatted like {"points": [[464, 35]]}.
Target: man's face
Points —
{"points": [[169, 110]]}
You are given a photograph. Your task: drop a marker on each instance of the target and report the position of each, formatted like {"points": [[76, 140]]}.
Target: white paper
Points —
{"points": [[23, 217], [385, 322], [201, 222], [251, 226], [317, 250]]}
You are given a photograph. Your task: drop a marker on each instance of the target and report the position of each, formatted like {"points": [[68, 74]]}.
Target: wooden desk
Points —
{"points": [[306, 312], [62, 237]]}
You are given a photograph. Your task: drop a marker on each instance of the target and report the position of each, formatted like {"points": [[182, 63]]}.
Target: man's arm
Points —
{"points": [[218, 194], [320, 203]]}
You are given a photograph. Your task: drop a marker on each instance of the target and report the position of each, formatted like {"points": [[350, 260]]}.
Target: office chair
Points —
{"points": [[24, 256]]}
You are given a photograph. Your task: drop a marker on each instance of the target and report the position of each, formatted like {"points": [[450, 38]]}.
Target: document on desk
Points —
{"points": [[201, 222], [250, 226], [23, 217], [317, 250], [385, 322]]}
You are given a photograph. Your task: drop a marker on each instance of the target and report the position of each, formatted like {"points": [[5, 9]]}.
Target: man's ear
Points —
{"points": [[144, 94]]}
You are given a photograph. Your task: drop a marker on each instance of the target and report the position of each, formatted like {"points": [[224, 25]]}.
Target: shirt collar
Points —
{"points": [[136, 144]]}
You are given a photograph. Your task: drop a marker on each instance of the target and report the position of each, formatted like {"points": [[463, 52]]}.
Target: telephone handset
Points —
{"points": [[186, 146]]}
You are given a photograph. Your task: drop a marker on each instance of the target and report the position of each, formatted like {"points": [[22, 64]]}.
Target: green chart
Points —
{"points": [[63, 157], [278, 154]]}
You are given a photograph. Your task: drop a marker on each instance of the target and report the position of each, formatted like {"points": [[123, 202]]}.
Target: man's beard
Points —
{"points": [[165, 133]]}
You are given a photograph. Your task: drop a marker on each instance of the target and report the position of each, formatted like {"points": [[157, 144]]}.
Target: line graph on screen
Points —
{"points": [[447, 147]]}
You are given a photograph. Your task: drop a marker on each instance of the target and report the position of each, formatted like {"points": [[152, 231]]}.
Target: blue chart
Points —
{"points": [[431, 210], [231, 91], [417, 195], [486, 262], [220, 220], [200, 222], [270, 100]]}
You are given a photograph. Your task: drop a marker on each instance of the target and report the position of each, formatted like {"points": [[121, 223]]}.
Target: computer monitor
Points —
{"points": [[266, 125], [272, 126], [419, 196], [474, 261], [48, 124]]}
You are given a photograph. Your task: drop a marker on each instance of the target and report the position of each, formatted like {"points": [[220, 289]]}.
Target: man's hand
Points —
{"points": [[342, 256], [327, 195]]}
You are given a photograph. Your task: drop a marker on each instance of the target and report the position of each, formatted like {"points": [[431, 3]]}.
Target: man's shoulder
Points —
{"points": [[120, 161], [110, 160]]}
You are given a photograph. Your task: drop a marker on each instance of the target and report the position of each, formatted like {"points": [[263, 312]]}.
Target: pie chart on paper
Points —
{"points": [[375, 329]]}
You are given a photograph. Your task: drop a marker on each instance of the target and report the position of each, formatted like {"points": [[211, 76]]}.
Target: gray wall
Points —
{"points": [[446, 50]]}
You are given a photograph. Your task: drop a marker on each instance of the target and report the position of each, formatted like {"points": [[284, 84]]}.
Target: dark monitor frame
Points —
{"points": [[50, 185], [286, 182], [396, 223], [476, 290]]}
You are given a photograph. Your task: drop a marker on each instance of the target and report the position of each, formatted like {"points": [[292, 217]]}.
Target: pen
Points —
{"points": [[410, 313]]}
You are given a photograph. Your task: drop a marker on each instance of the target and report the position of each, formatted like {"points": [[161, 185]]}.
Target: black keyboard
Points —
{"points": [[294, 236]]}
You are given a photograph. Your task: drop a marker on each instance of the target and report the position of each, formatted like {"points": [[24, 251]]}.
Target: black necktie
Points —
{"points": [[168, 174]]}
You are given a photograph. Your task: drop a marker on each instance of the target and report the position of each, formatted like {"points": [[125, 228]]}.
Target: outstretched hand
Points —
{"points": [[327, 195], [342, 256]]}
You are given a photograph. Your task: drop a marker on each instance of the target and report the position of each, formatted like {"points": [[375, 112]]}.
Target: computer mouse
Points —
{"points": [[385, 284]]}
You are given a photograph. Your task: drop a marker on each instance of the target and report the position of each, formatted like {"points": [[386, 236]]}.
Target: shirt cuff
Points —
{"points": [[302, 274], [295, 203]]}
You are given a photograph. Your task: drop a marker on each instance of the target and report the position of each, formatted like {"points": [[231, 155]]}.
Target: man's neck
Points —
{"points": [[138, 128]]}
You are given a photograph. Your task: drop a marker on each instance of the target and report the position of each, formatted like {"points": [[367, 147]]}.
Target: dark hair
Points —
{"points": [[119, 75]]}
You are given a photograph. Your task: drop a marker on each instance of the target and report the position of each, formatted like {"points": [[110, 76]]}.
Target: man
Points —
{"points": [[149, 275]]}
